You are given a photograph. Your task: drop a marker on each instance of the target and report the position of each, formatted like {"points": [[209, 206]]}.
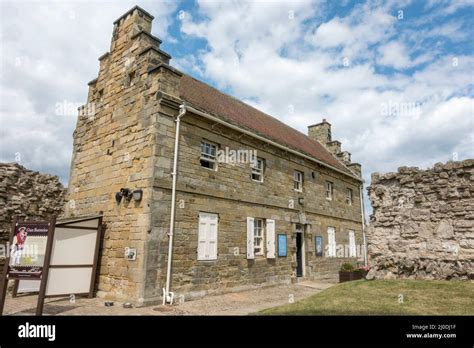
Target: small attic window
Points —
{"points": [[100, 95], [329, 135], [131, 79]]}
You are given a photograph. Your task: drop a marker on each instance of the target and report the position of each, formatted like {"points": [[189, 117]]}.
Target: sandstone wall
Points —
{"points": [[27, 194], [230, 193], [113, 150], [128, 142], [423, 223]]}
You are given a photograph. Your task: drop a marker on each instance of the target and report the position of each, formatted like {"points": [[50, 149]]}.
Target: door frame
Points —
{"points": [[301, 231]]}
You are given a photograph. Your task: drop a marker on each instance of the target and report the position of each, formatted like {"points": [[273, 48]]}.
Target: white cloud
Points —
{"points": [[447, 7], [395, 54], [365, 26], [283, 58], [49, 53], [433, 119], [333, 33]]}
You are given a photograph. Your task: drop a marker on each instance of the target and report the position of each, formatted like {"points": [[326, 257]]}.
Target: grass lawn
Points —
{"points": [[381, 297]]}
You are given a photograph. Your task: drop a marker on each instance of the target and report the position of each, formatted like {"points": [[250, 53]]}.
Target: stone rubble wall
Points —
{"points": [[422, 226], [27, 194]]}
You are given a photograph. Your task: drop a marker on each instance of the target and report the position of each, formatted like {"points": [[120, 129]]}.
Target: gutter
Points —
{"points": [[167, 295]]}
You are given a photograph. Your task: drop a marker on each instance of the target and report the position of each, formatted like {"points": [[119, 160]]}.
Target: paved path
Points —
{"points": [[239, 303]]}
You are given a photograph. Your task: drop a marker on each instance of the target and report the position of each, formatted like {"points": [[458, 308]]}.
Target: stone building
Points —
{"points": [[27, 194], [245, 202], [422, 226]]}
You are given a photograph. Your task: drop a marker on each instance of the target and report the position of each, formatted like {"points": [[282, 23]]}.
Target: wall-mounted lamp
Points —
{"points": [[127, 193], [137, 195], [118, 197]]}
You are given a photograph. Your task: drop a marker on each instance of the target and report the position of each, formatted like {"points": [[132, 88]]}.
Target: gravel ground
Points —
{"points": [[240, 303]]}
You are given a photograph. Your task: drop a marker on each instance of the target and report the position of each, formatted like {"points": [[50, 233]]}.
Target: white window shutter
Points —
{"points": [[352, 244], [250, 241], [207, 236], [212, 237], [270, 239], [202, 237]]}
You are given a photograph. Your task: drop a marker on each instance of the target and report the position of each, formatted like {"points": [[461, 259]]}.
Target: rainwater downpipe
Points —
{"points": [[362, 213], [167, 295]]}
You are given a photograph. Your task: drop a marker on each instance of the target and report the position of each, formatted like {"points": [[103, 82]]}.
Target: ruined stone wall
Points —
{"points": [[27, 194], [423, 223]]}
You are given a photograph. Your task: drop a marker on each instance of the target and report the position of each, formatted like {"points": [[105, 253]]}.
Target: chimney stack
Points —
{"points": [[321, 132], [129, 24]]}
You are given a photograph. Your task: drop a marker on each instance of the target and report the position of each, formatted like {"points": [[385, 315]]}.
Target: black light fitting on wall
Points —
{"points": [[128, 195]]}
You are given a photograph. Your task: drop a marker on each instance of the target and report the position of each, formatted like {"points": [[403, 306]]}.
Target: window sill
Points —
{"points": [[211, 169]]}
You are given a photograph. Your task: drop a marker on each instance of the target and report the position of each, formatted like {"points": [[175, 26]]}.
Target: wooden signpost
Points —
{"points": [[62, 256], [27, 257]]}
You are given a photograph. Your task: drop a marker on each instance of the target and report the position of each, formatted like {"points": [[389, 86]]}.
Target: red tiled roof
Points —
{"points": [[211, 100]]}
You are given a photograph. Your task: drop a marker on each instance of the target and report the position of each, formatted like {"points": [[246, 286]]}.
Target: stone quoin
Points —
{"points": [[229, 216]]}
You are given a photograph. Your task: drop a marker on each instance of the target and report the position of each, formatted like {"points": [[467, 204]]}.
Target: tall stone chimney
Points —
{"points": [[321, 132], [129, 24]]}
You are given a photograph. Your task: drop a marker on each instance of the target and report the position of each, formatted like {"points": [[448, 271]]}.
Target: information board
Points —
{"points": [[52, 258], [75, 248], [28, 249], [282, 245], [318, 242]]}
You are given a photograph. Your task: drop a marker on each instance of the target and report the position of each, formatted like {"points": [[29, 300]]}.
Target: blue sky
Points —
{"points": [[394, 78]]}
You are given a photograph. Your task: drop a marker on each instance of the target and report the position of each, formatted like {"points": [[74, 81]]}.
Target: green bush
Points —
{"points": [[362, 269], [347, 267]]}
